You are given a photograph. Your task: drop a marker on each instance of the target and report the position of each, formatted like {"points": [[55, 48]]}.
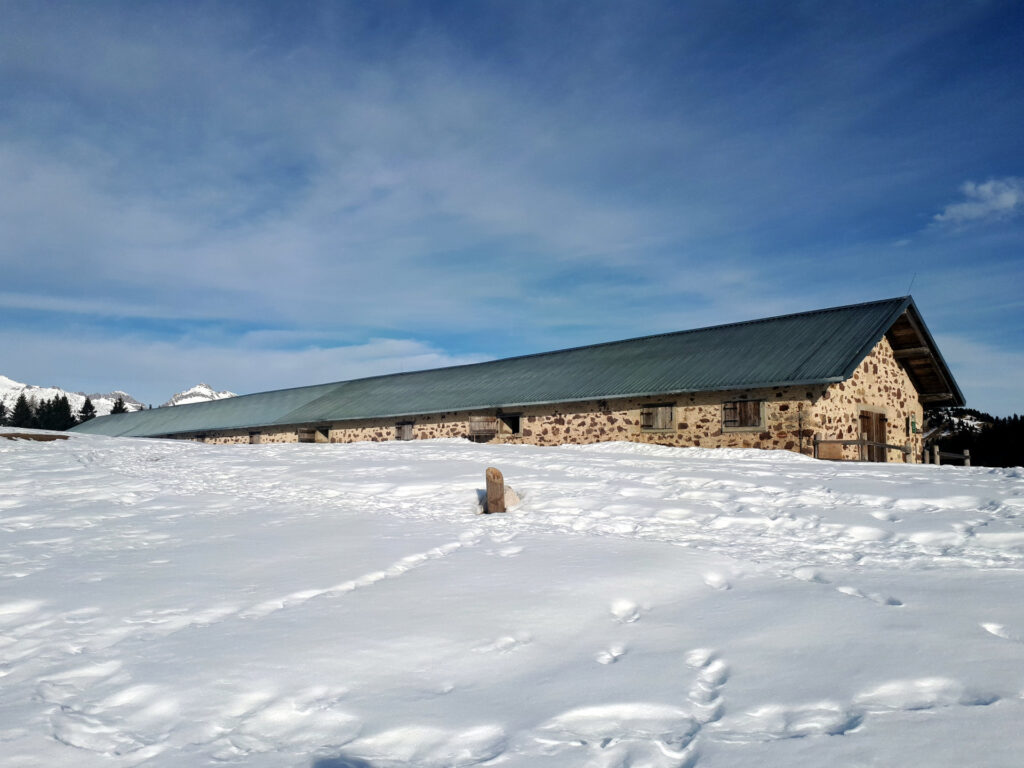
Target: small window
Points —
{"points": [[314, 434], [255, 438], [511, 423], [742, 414], [656, 417], [403, 430], [482, 429]]}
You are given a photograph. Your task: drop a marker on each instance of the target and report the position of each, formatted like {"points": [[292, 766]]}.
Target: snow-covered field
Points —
{"points": [[330, 606]]}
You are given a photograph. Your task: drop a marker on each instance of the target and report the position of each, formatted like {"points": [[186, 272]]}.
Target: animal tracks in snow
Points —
{"points": [[396, 569], [813, 575], [706, 692], [873, 596]]}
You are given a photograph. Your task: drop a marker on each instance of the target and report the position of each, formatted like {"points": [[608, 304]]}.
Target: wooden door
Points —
{"points": [[872, 424]]}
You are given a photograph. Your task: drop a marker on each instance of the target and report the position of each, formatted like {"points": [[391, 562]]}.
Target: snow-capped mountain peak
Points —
{"points": [[11, 390], [201, 393]]}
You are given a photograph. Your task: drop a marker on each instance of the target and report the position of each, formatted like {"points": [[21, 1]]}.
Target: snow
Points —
{"points": [[200, 393], [341, 606], [10, 390]]}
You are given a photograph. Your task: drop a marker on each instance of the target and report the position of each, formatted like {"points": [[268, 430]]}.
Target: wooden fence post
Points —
{"points": [[495, 491], [863, 446], [967, 458], [817, 439], [936, 457]]}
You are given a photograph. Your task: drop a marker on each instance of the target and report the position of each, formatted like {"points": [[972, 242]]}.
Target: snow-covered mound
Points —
{"points": [[10, 390], [169, 603], [201, 393]]}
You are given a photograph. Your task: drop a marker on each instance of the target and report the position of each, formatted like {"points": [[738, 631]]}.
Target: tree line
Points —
{"points": [[55, 414], [994, 441]]}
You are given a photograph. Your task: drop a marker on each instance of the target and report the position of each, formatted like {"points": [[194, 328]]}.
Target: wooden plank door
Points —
{"points": [[872, 424]]}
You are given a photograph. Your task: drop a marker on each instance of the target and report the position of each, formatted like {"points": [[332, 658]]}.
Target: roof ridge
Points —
{"points": [[599, 344]]}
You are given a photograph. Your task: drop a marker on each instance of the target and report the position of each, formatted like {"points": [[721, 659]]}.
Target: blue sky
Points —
{"points": [[271, 195]]}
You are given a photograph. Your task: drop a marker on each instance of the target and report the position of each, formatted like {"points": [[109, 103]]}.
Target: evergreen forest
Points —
{"points": [[994, 441], [54, 414]]}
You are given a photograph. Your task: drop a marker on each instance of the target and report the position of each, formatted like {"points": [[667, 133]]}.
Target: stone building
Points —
{"points": [[774, 383]]}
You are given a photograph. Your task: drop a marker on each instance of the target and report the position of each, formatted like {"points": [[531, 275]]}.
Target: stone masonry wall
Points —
{"points": [[792, 415], [879, 384]]}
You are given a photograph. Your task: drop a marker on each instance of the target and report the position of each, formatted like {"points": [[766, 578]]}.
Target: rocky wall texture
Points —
{"points": [[790, 417], [697, 421], [878, 384]]}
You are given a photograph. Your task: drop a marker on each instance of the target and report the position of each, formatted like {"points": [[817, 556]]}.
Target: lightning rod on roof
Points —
{"points": [[911, 283]]}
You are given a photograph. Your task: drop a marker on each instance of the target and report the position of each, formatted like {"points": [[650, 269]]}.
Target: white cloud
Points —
{"points": [[992, 200], [157, 369]]}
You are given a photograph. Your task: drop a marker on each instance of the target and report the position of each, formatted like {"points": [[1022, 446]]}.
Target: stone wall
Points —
{"points": [[879, 384], [791, 417]]}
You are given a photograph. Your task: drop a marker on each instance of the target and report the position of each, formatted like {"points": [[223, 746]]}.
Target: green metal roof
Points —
{"points": [[817, 347]]}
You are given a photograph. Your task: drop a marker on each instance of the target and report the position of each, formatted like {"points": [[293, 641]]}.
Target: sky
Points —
{"points": [[266, 195]]}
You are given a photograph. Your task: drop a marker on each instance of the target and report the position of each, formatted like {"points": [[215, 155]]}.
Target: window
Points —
{"points": [[511, 423], [255, 438], [656, 417], [482, 429], [314, 434], [403, 430], [742, 414]]}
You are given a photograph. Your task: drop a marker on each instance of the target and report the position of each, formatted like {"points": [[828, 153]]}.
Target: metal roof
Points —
{"points": [[819, 347]]}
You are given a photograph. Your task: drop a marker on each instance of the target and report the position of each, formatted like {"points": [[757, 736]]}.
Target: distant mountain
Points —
{"points": [[10, 390], [947, 421], [201, 393]]}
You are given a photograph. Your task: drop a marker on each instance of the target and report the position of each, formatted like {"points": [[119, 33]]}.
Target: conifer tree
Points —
{"points": [[43, 414], [119, 406], [88, 411], [3, 414], [22, 415], [61, 417]]}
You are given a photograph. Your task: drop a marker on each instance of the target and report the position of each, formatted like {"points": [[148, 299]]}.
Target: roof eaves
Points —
{"points": [[944, 370], [877, 333]]}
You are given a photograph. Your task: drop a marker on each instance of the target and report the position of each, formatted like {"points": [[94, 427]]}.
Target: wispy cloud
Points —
{"points": [[493, 178], [993, 200], [160, 368]]}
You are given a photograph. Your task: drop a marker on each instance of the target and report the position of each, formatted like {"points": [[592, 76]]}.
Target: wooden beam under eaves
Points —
{"points": [[903, 354], [936, 397]]}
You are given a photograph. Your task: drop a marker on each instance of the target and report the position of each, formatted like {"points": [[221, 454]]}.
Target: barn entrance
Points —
{"points": [[872, 425]]}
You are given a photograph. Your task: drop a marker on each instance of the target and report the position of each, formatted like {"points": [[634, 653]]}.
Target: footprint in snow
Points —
{"points": [[505, 643], [874, 597], [705, 694], [717, 580], [1000, 630], [611, 655], [807, 573], [921, 693], [625, 611], [783, 721], [622, 734]]}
